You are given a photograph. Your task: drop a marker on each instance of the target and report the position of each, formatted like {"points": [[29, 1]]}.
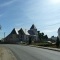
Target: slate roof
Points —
{"points": [[21, 31], [31, 32], [26, 32], [13, 31], [33, 27]]}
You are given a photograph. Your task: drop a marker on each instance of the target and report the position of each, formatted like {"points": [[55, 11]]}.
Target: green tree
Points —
{"points": [[30, 41], [41, 36], [45, 37], [57, 42]]}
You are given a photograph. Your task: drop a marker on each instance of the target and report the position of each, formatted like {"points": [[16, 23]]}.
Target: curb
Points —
{"points": [[54, 49]]}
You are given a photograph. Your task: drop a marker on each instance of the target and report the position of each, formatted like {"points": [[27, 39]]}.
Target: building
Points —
{"points": [[54, 38], [33, 33], [12, 37], [22, 35]]}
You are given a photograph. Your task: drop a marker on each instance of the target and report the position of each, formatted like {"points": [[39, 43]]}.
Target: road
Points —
{"points": [[32, 53]]}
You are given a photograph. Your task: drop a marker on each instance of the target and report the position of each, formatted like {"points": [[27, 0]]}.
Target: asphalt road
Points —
{"points": [[32, 53]]}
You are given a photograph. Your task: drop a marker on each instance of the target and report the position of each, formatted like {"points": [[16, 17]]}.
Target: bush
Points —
{"points": [[44, 44]]}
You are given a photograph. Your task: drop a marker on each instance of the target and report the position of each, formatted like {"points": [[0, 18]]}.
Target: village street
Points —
{"points": [[32, 53]]}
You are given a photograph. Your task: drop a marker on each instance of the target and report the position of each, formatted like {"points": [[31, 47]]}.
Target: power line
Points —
{"points": [[53, 24], [50, 25]]}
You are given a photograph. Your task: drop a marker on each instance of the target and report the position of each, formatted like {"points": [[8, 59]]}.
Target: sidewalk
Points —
{"points": [[49, 48], [6, 54]]}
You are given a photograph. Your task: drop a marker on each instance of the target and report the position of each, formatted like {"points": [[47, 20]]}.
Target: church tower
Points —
{"points": [[33, 32]]}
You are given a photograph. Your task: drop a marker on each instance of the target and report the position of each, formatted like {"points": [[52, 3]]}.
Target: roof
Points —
{"points": [[33, 27], [13, 31], [21, 31], [31, 32], [17, 31], [26, 32]]}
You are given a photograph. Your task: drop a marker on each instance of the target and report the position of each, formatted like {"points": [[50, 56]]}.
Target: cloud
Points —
{"points": [[7, 3], [50, 31]]}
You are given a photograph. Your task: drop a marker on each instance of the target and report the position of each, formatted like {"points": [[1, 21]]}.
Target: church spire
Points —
{"points": [[33, 27]]}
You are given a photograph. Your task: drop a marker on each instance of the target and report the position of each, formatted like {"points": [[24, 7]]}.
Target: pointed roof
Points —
{"points": [[13, 31], [33, 27], [21, 31], [26, 32]]}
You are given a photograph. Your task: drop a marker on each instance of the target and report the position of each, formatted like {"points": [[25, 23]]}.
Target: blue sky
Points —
{"points": [[45, 14]]}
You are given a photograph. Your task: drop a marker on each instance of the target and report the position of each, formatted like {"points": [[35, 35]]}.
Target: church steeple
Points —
{"points": [[33, 27]]}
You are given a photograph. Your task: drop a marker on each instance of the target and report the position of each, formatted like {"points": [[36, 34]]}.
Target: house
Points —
{"points": [[12, 37], [22, 35], [54, 38], [33, 33]]}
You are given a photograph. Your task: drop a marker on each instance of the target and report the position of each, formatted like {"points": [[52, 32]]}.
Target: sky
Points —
{"points": [[45, 14]]}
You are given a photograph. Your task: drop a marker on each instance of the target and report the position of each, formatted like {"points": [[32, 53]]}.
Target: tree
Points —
{"points": [[57, 42], [41, 36], [30, 41], [45, 37]]}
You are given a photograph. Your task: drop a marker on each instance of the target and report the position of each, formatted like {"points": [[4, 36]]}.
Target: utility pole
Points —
{"points": [[4, 34], [4, 37], [25, 37], [25, 30], [0, 27]]}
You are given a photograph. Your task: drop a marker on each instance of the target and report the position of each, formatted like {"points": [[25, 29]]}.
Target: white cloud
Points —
{"points": [[7, 3], [50, 31], [52, 22]]}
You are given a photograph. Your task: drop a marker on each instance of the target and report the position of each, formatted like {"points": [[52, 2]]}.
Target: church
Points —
{"points": [[22, 35]]}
